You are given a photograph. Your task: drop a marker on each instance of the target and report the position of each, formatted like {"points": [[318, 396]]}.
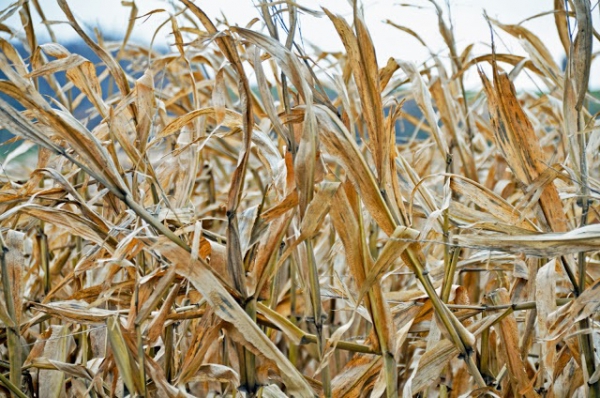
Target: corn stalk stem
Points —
{"points": [[169, 344], [315, 298], [449, 255], [484, 360], [44, 256], [293, 353], [140, 347], [450, 259], [248, 365], [13, 333], [139, 337], [586, 341]]}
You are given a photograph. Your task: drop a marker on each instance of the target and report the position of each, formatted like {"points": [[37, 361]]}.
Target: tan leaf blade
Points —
{"points": [[542, 245]]}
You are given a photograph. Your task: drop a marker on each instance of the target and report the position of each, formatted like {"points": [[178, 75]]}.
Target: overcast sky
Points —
{"points": [[467, 17]]}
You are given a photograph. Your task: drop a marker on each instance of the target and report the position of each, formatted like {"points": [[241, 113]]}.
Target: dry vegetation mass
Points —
{"points": [[225, 219]]}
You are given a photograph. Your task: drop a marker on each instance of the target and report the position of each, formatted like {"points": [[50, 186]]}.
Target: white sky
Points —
{"points": [[467, 15]]}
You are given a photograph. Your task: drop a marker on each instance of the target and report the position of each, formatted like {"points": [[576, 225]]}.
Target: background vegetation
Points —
{"points": [[183, 230]]}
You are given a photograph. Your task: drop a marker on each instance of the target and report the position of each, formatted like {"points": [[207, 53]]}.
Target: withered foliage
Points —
{"points": [[226, 219]]}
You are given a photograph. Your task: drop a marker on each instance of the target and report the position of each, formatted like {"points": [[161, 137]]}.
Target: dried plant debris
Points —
{"points": [[225, 219]]}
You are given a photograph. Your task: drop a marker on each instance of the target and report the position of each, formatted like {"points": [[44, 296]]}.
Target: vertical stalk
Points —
{"points": [[484, 361], [450, 259], [83, 343], [138, 333], [169, 342], [586, 341], [249, 358], [450, 255], [315, 298], [293, 350], [44, 256], [225, 361], [142, 370], [13, 333]]}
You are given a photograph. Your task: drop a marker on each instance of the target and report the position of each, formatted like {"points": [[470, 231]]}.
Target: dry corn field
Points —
{"points": [[237, 217]]}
